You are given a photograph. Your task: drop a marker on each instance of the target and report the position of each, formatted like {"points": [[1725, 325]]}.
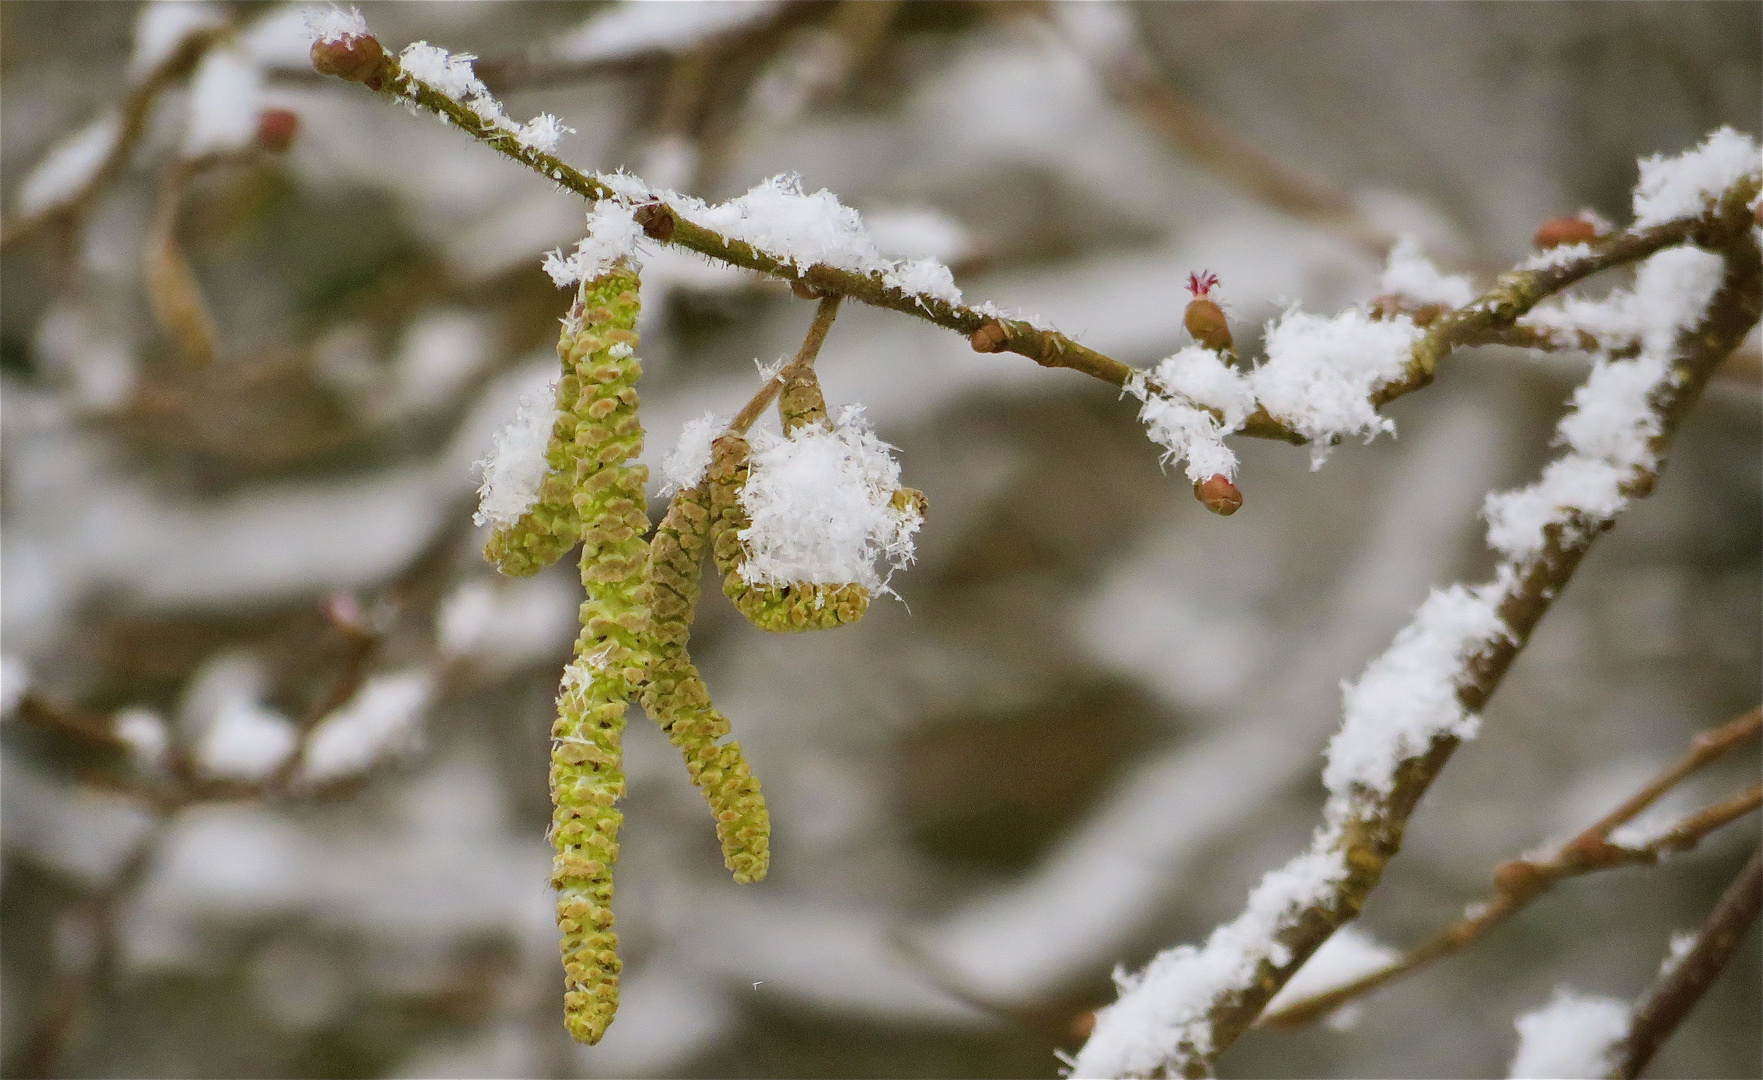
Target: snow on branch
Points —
{"points": [[1419, 700], [1574, 1037]]}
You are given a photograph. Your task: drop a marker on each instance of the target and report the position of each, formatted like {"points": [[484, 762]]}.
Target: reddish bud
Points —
{"points": [[1219, 495], [276, 129], [1517, 877], [656, 220], [1083, 1023], [1205, 320], [1567, 230], [355, 57], [992, 337], [1202, 283], [803, 290]]}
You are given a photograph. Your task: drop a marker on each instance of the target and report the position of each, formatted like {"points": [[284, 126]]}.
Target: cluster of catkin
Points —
{"points": [[636, 624]]}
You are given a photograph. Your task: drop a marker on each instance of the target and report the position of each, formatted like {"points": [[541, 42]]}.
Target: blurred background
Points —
{"points": [[243, 392]]}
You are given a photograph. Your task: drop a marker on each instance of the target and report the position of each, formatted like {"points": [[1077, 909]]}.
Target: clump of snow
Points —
{"points": [[613, 233], [630, 29], [516, 465], [1686, 185], [1682, 941], [1411, 274], [1195, 377], [686, 465], [384, 717], [68, 168], [1348, 954], [334, 24], [820, 503], [15, 679], [451, 75], [1572, 1038], [163, 26], [246, 740], [145, 733], [1320, 373], [226, 95], [924, 278], [1165, 1007], [1612, 423], [1407, 697]]}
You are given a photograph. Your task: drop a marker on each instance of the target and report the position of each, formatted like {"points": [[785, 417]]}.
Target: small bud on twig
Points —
{"points": [[1517, 877], [1567, 230], [354, 57], [1204, 318], [276, 129], [990, 338], [803, 290], [656, 220], [1219, 495]]}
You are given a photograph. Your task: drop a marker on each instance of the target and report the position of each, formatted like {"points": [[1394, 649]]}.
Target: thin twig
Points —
{"points": [[1515, 293], [136, 109], [1683, 983], [824, 314]]}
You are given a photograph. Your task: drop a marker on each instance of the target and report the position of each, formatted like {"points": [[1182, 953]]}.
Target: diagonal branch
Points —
{"points": [[1683, 983], [1514, 294]]}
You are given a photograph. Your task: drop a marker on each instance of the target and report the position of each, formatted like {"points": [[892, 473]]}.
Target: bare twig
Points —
{"points": [[135, 111], [1683, 983], [824, 314]]}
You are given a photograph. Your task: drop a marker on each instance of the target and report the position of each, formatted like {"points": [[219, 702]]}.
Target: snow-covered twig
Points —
{"points": [[1682, 983], [1520, 881], [1416, 704]]}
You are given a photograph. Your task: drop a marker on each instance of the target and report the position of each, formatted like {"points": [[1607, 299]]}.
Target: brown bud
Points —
{"points": [[1083, 1023], [1565, 230], [992, 337], [803, 290], [355, 57], [1517, 877], [1205, 320], [656, 220], [276, 129], [1219, 495]]}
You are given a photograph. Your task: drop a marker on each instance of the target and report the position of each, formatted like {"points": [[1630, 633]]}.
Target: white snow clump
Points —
{"points": [[689, 460], [516, 465], [1686, 185], [613, 233], [1572, 1038]]}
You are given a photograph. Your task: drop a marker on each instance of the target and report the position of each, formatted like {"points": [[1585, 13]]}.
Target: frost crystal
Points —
{"points": [[1412, 275], [821, 507], [1573, 1037], [1179, 425], [690, 458], [225, 98], [1320, 373], [1407, 697], [334, 24], [383, 717], [1686, 185], [451, 75], [516, 465], [612, 235]]}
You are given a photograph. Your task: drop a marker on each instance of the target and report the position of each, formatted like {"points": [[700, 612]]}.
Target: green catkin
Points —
{"points": [[800, 402], [677, 699], [777, 608], [612, 655]]}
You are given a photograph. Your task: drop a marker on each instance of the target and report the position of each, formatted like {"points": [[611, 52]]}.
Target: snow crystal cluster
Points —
{"points": [[516, 465], [689, 460], [800, 229], [1182, 425], [1686, 185], [821, 506], [334, 24], [1320, 373], [1167, 1004], [612, 235], [451, 75], [1572, 1038], [1610, 429]]}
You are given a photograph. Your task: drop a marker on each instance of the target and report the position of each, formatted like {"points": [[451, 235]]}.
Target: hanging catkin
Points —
{"points": [[598, 397], [678, 700], [778, 608]]}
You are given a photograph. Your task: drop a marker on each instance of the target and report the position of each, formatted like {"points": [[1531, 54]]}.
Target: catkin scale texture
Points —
{"points": [[677, 698], [612, 653]]}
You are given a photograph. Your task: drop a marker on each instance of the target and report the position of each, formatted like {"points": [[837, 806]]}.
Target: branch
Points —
{"points": [[1514, 294], [1683, 983], [135, 111], [1215, 994], [824, 314]]}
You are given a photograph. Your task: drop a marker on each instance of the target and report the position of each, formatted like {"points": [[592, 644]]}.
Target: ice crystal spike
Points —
{"points": [[612, 654], [678, 700]]}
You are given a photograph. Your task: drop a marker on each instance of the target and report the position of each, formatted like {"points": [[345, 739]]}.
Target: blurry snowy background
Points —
{"points": [[1100, 719]]}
